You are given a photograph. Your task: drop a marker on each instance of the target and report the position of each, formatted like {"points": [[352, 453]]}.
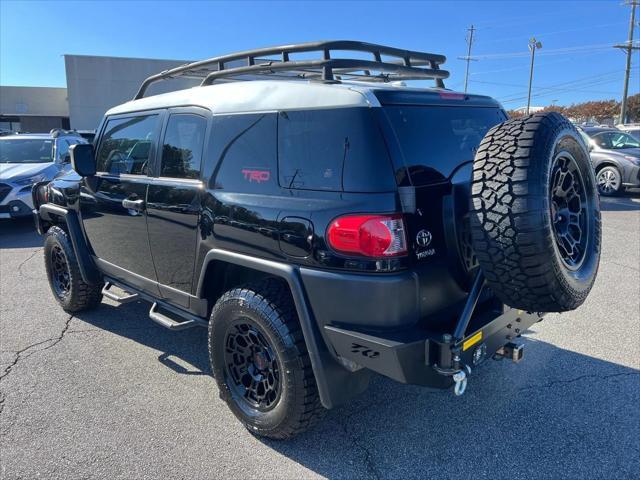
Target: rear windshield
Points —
{"points": [[434, 140], [26, 150]]}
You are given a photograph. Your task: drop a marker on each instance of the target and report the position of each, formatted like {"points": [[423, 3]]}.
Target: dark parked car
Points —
{"points": [[325, 223], [616, 158]]}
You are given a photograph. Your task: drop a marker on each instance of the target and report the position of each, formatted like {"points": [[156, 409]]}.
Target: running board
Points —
{"points": [[170, 323], [117, 298]]}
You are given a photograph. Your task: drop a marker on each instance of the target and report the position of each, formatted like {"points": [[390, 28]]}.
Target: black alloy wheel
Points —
{"points": [[61, 277], [569, 210], [251, 366]]}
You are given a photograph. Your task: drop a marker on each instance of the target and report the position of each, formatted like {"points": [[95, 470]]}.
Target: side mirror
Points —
{"points": [[66, 159], [82, 159]]}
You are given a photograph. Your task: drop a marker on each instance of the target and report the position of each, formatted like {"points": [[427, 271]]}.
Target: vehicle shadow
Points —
{"points": [[184, 351], [556, 414], [19, 233]]}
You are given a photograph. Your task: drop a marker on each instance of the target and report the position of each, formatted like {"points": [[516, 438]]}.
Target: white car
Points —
{"points": [[26, 159]]}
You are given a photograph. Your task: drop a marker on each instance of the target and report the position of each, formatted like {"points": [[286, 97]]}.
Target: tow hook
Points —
{"points": [[460, 380]]}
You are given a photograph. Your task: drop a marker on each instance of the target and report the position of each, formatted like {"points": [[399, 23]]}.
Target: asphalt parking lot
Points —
{"points": [[109, 394]]}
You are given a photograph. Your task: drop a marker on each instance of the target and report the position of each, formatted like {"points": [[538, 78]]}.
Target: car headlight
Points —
{"points": [[634, 160], [30, 180]]}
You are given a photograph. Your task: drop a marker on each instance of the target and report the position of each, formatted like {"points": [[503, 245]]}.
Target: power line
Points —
{"points": [[556, 51]]}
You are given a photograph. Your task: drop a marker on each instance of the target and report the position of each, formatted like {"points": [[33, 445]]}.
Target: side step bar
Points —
{"points": [[170, 323], [154, 313], [106, 291]]}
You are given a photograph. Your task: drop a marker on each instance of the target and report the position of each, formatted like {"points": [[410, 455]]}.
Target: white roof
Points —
{"points": [[258, 96]]}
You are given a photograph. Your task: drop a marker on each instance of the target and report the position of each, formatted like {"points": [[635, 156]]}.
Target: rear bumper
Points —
{"points": [[414, 356]]}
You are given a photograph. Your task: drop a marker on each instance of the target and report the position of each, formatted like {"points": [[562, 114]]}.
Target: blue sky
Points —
{"points": [[576, 63]]}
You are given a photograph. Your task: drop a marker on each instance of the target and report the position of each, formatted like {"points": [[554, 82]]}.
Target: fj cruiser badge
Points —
{"points": [[423, 240]]}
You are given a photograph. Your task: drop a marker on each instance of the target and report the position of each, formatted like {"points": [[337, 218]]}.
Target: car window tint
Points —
{"points": [[126, 145], [337, 150], [244, 150], [182, 146]]}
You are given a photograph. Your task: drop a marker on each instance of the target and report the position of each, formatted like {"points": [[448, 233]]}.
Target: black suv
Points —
{"points": [[325, 222]]}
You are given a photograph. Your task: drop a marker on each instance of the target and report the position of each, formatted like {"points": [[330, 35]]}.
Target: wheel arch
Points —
{"points": [[607, 163], [69, 221], [335, 384]]}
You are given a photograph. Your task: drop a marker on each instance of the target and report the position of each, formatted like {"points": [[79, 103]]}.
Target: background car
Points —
{"points": [[26, 159], [632, 129], [615, 156]]}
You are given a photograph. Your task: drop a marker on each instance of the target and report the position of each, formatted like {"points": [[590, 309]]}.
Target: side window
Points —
{"points": [[126, 145], [182, 146], [243, 148], [337, 150]]}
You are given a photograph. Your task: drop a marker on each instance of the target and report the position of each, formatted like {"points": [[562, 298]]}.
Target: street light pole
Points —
{"points": [[533, 45]]}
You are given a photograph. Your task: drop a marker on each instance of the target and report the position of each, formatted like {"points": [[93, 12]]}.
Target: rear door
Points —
{"points": [[113, 202], [436, 145], [173, 201]]}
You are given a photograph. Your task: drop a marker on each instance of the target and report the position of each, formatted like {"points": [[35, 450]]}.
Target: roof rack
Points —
{"points": [[404, 65]]}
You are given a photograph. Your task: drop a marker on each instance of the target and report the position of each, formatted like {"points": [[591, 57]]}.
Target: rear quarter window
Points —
{"points": [[243, 149], [335, 150]]}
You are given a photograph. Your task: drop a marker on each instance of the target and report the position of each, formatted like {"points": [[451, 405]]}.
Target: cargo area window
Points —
{"points": [[337, 150]]}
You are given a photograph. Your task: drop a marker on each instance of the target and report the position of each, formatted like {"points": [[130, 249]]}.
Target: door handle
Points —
{"points": [[137, 205]]}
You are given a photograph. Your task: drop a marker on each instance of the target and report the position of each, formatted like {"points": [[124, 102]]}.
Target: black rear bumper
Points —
{"points": [[415, 356]]}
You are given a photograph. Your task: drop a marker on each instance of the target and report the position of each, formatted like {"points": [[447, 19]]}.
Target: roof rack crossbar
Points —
{"points": [[406, 68]]}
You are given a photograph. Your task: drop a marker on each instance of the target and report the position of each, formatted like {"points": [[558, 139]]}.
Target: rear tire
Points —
{"points": [[535, 214], [609, 181], [260, 362], [65, 280]]}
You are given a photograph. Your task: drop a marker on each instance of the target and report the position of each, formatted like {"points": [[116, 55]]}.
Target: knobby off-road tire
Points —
{"points": [[535, 213], [63, 273], [260, 362]]}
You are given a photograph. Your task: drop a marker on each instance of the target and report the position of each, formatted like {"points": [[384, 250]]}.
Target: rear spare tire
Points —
{"points": [[535, 214]]}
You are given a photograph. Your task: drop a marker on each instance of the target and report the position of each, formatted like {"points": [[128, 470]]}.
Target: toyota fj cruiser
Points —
{"points": [[326, 221]]}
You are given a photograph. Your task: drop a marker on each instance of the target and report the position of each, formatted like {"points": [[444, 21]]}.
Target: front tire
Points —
{"points": [[609, 181], [63, 272], [260, 362]]}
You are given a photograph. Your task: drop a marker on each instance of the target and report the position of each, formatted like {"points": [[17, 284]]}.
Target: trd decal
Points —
{"points": [[258, 176]]}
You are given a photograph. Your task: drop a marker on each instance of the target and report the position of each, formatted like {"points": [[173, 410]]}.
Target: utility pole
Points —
{"points": [[533, 46], [629, 48], [468, 57]]}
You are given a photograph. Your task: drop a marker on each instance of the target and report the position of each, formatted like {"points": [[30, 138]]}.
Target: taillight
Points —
{"points": [[368, 235]]}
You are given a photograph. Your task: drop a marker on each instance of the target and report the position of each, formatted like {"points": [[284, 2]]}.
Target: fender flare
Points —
{"points": [[55, 214], [336, 385]]}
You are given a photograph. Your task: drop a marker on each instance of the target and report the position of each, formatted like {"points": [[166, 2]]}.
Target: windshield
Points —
{"points": [[435, 140], [615, 140], [26, 150]]}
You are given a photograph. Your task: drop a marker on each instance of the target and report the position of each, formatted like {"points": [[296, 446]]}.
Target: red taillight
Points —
{"points": [[368, 235]]}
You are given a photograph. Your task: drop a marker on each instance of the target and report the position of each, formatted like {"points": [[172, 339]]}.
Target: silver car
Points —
{"points": [[26, 159]]}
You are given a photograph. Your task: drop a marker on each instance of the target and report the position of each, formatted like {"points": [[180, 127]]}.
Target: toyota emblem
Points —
{"points": [[423, 238]]}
